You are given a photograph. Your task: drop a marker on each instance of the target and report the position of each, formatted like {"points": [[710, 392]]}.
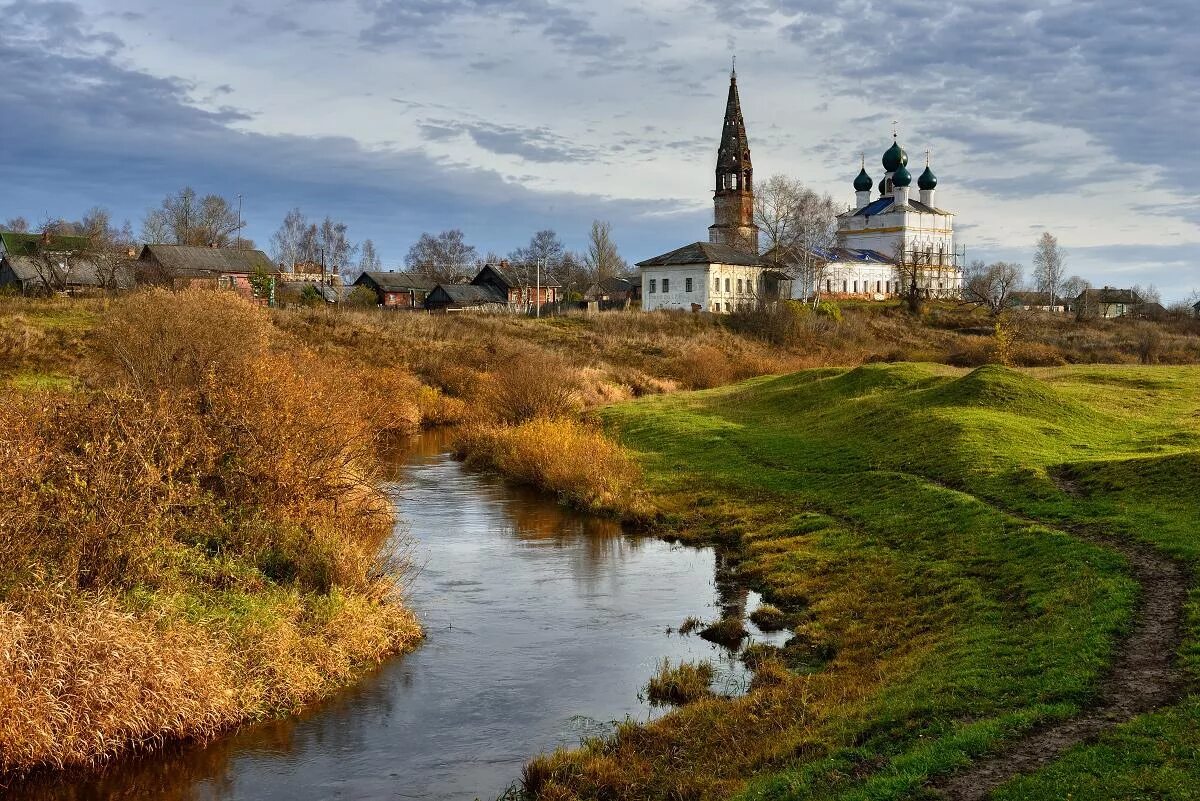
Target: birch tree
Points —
{"points": [[1048, 268]]}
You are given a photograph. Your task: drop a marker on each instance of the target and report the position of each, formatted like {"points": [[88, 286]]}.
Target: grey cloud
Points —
{"points": [[531, 144]]}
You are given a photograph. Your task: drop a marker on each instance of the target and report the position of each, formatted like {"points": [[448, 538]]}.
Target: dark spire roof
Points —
{"points": [[734, 153]]}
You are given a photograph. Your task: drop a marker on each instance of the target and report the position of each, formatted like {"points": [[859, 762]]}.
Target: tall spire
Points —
{"points": [[734, 223]]}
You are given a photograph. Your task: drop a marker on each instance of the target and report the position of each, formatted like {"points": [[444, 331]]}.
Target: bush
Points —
{"points": [[769, 618], [676, 686], [530, 383], [776, 323], [728, 631], [361, 297]]}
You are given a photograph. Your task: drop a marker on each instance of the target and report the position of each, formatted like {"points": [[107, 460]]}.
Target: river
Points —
{"points": [[543, 625]]}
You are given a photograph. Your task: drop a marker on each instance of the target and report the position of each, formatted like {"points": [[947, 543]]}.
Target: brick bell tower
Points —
{"points": [[733, 218]]}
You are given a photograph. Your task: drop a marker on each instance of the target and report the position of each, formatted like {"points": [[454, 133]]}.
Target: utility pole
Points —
{"points": [[239, 237], [539, 288]]}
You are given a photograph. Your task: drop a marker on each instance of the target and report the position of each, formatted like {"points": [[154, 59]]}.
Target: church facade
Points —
{"points": [[893, 229], [872, 239], [726, 272]]}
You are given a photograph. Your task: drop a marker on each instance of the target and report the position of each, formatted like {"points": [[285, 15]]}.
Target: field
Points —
{"points": [[957, 549]]}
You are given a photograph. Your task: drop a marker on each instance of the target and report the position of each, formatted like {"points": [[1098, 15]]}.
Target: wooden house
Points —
{"points": [[519, 290], [37, 264], [1107, 302], [398, 290], [465, 297], [180, 266], [614, 292]]}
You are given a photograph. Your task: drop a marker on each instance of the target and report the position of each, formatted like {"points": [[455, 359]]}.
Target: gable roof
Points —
{"points": [[27, 244], [1110, 295], [398, 281], [511, 279], [27, 269], [705, 253], [468, 294], [1037, 298], [194, 260]]}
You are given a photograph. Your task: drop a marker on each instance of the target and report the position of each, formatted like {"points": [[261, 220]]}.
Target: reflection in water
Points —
{"points": [[543, 625]]}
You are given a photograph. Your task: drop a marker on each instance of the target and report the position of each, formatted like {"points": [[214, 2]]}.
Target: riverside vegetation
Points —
{"points": [[231, 556]]}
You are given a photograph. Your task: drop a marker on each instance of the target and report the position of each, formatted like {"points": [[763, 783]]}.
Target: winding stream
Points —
{"points": [[542, 627]]}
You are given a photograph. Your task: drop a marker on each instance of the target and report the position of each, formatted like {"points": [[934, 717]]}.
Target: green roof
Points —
{"points": [[18, 244]]}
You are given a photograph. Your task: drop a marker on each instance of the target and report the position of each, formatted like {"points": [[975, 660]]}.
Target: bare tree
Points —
{"points": [[445, 257], [293, 242], [1148, 294], [1048, 260], [18, 225], [185, 219], [602, 259], [793, 222], [544, 248], [915, 273], [992, 285], [368, 259], [333, 246], [1075, 286]]}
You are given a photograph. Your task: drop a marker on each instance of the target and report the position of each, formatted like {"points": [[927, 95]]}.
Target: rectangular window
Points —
{"points": [[828, 285], [843, 286], [653, 286], [716, 283], [739, 286], [666, 285], [726, 287], [687, 285], [856, 286], [727, 307], [878, 285]]}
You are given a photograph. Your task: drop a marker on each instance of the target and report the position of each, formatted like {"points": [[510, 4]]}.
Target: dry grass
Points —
{"points": [[573, 460], [677, 685], [194, 540]]}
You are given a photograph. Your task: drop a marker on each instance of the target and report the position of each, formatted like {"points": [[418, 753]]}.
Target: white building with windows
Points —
{"points": [[876, 233], [702, 276]]}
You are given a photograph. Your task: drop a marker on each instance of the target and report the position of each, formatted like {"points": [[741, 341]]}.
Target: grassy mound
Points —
{"points": [[887, 508]]}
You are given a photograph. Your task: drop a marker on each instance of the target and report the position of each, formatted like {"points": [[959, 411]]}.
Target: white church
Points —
{"points": [[728, 271]]}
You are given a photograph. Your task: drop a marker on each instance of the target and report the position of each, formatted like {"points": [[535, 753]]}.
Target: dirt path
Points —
{"points": [[1143, 677]]}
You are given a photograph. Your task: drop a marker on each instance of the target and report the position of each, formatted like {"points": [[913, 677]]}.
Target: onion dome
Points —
{"points": [[894, 158], [902, 177], [927, 180], [863, 182], [883, 186]]}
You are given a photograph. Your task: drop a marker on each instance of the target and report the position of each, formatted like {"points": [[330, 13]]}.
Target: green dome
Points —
{"points": [[902, 177], [883, 186], [894, 158], [927, 180], [863, 182]]}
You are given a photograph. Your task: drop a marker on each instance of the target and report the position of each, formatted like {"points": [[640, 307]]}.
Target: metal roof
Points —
{"points": [[705, 253], [191, 259], [77, 273], [399, 281], [470, 294], [887, 204], [513, 280]]}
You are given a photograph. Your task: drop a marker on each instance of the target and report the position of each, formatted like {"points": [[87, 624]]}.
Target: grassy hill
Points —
{"points": [[915, 521]]}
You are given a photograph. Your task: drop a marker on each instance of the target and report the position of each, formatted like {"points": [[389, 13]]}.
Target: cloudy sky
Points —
{"points": [[502, 117]]}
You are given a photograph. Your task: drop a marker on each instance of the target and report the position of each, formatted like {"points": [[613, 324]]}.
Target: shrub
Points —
{"points": [[562, 456], [769, 618], [829, 309], [776, 323], [361, 297], [531, 383], [676, 686], [728, 631]]}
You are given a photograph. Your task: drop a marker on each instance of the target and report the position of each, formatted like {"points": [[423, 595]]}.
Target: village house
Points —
{"points": [[1107, 302], [36, 264], [180, 266], [614, 293], [520, 291], [466, 297], [398, 290]]}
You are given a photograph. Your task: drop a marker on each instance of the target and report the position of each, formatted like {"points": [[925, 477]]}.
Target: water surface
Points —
{"points": [[543, 625]]}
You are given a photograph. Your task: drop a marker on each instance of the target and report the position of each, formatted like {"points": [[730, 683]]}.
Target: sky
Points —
{"points": [[503, 117]]}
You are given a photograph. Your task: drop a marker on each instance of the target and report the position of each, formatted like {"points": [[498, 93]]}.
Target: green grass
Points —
{"points": [[889, 506]]}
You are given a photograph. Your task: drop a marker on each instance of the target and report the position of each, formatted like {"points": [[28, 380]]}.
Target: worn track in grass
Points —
{"points": [[1144, 676]]}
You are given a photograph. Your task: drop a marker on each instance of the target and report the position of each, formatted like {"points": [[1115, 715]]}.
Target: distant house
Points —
{"points": [[288, 291], [35, 264], [1150, 310], [1040, 301], [614, 292], [398, 290], [520, 292], [1196, 308], [1106, 302], [180, 266], [465, 297]]}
